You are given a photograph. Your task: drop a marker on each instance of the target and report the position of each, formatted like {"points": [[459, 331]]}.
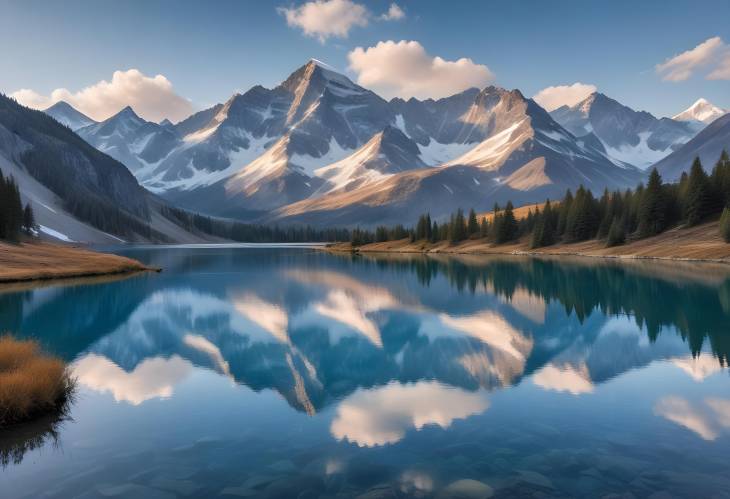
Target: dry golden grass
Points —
{"points": [[31, 382], [29, 261]]}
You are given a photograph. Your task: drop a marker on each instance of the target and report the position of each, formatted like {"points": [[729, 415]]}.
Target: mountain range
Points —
{"points": [[321, 149], [78, 193]]}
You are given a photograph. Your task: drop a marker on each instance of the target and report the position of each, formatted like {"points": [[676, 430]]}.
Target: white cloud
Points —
{"points": [[152, 97], [722, 71], [551, 98], [405, 69], [395, 13], [325, 18], [713, 53]]}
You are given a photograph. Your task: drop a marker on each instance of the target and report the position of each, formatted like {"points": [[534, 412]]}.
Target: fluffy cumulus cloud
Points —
{"points": [[152, 97], [551, 98], [712, 55], [405, 69], [325, 18]]}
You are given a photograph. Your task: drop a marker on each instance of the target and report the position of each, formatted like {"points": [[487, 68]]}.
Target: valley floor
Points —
{"points": [[701, 243], [32, 261]]}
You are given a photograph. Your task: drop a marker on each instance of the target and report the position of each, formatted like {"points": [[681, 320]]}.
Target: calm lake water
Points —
{"points": [[288, 372]]}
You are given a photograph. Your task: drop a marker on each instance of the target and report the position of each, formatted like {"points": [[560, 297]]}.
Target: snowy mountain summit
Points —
{"points": [[702, 110]]}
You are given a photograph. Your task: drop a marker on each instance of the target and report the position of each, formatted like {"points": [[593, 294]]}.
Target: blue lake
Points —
{"points": [[291, 372]]}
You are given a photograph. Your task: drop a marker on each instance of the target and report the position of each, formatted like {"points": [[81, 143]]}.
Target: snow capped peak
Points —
{"points": [[702, 110], [66, 114]]}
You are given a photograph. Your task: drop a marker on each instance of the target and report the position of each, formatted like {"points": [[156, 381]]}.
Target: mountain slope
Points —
{"points": [[67, 115], [525, 156], [131, 140], [702, 111], [388, 152], [634, 137], [316, 116], [707, 145], [77, 192]]}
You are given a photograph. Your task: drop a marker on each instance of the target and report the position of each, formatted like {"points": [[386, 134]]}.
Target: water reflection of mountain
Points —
{"points": [[317, 328]]}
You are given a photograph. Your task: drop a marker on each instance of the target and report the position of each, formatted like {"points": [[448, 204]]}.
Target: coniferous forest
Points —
{"points": [[614, 217], [14, 218]]}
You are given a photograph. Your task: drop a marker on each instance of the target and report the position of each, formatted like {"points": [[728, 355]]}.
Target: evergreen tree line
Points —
{"points": [[614, 218], [252, 233], [14, 218]]}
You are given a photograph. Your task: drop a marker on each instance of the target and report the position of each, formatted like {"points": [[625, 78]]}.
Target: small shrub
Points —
{"points": [[31, 382]]}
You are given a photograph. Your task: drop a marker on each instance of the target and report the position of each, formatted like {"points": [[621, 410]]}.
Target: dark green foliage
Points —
{"points": [[11, 209], [423, 228], [506, 228], [563, 213], [616, 235], [457, 227], [472, 226], [652, 207], [725, 224], [543, 234], [582, 217], [251, 233], [698, 204], [29, 224]]}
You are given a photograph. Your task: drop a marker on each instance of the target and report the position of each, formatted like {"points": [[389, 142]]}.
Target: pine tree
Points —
{"points": [[458, 227], [28, 219], [698, 200], [472, 226], [652, 207], [563, 213], [484, 228], [508, 228], [582, 220], [616, 235], [725, 225]]}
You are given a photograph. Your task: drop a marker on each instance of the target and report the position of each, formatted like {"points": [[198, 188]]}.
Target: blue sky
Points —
{"points": [[208, 50]]}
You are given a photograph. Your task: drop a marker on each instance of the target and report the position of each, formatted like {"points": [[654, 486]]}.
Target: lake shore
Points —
{"points": [[696, 244], [43, 261]]}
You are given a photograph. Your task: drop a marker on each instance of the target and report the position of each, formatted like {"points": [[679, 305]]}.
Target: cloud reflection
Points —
{"points": [[152, 378], [564, 378], [382, 415], [699, 367], [707, 420]]}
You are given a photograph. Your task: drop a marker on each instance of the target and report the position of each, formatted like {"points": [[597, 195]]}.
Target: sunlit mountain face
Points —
{"points": [[342, 374]]}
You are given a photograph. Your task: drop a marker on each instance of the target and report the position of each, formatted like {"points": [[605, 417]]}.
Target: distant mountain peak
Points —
{"points": [[66, 114], [62, 104], [702, 110]]}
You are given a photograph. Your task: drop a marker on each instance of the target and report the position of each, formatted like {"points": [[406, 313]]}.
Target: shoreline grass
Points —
{"points": [[32, 383], [43, 261]]}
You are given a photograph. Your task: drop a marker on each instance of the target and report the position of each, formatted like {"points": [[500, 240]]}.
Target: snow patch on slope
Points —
{"points": [[640, 155]]}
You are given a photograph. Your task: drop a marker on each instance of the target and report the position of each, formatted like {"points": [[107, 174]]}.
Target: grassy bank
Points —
{"points": [[699, 243], [31, 261], [31, 383]]}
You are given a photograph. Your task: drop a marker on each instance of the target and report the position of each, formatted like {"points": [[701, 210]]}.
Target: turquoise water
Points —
{"points": [[289, 372]]}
